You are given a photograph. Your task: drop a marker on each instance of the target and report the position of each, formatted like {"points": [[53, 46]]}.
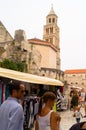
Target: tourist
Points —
{"points": [[78, 114], [47, 118], [11, 111]]}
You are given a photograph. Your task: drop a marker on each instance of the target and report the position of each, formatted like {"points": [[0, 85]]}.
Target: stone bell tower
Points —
{"points": [[51, 33]]}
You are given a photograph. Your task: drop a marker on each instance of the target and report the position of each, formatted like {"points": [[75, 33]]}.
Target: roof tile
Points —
{"points": [[75, 71]]}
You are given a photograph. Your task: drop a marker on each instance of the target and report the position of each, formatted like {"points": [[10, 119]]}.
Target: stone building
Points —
{"points": [[5, 40], [76, 78], [42, 56], [49, 48], [4, 34]]}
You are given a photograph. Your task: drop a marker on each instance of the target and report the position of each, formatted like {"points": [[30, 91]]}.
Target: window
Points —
{"points": [[51, 30], [49, 20], [85, 76], [53, 20], [47, 30], [51, 40]]}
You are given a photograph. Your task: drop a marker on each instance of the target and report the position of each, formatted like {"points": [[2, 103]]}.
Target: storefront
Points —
{"points": [[35, 87]]}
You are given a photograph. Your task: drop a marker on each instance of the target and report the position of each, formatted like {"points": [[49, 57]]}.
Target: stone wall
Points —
{"points": [[4, 34]]}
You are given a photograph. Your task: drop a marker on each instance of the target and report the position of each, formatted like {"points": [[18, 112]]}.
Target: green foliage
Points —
{"points": [[9, 64], [21, 66]]}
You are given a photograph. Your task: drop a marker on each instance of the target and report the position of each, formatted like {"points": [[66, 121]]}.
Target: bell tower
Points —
{"points": [[51, 33]]}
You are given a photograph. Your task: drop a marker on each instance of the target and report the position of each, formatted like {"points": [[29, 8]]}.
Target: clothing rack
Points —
{"points": [[30, 106]]}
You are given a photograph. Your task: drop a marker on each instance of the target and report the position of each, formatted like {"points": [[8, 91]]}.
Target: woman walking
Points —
{"points": [[46, 118]]}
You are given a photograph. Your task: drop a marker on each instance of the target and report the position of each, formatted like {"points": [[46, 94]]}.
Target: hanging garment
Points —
{"points": [[36, 104], [58, 104], [6, 92], [28, 113], [3, 92]]}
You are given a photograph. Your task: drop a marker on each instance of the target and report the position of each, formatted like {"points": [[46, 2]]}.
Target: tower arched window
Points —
{"points": [[49, 20], [51, 30], [53, 20], [47, 31]]}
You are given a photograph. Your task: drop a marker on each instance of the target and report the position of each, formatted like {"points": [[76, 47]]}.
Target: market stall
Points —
{"points": [[26, 77], [30, 103]]}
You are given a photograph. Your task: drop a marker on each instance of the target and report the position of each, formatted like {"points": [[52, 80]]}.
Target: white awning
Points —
{"points": [[7, 73]]}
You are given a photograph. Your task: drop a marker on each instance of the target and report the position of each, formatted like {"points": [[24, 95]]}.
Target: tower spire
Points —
{"points": [[51, 5], [52, 10]]}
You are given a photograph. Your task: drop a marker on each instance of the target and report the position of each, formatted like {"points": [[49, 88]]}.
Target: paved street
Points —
{"points": [[67, 119]]}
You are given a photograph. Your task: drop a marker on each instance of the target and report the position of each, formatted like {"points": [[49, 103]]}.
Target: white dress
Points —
{"points": [[44, 121]]}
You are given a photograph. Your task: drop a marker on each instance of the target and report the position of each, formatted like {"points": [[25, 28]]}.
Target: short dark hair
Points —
{"points": [[14, 85]]}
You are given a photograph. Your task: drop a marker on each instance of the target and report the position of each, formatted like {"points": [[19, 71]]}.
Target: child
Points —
{"points": [[78, 114]]}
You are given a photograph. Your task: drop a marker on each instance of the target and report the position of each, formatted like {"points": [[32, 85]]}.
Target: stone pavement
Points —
{"points": [[67, 119]]}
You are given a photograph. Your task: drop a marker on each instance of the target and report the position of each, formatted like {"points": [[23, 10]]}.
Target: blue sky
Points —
{"points": [[30, 15]]}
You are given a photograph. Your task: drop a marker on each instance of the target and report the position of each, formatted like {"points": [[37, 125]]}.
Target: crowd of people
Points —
{"points": [[76, 101], [12, 114]]}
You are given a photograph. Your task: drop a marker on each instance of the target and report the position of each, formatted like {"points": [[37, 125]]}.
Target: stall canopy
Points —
{"points": [[7, 73]]}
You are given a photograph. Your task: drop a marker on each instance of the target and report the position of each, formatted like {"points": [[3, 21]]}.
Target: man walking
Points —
{"points": [[11, 111]]}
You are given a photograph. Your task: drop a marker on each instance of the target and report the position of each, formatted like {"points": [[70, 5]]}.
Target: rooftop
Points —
{"points": [[75, 71]]}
